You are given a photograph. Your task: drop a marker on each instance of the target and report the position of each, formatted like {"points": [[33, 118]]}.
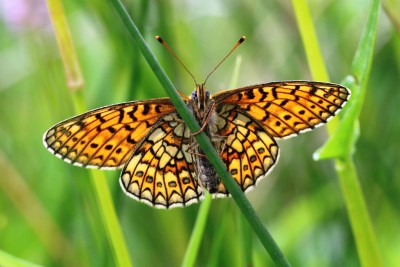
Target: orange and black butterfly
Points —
{"points": [[161, 162]]}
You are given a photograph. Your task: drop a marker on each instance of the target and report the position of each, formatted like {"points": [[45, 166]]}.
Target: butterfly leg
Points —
{"points": [[216, 139], [223, 144], [192, 149], [207, 118]]}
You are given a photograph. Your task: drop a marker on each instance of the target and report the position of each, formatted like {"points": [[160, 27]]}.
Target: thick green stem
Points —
{"points": [[203, 141]]}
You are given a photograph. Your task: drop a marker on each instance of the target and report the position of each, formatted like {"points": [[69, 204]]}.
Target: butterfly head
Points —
{"points": [[201, 97]]}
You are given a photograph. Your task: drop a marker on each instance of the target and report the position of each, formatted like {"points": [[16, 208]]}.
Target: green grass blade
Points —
{"points": [[32, 210], [310, 41], [7, 260], [197, 233], [75, 81], [204, 143], [110, 219], [311, 44], [342, 143], [65, 44], [106, 206], [219, 239], [347, 134], [245, 243], [361, 225]]}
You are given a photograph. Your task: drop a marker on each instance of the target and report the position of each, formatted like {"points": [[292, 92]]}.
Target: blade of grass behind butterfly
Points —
{"points": [[197, 233], [75, 80], [8, 260], [220, 235], [30, 207], [343, 140], [71, 65], [361, 225], [204, 143]]}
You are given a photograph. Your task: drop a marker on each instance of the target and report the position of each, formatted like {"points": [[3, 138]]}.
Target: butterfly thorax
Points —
{"points": [[203, 110]]}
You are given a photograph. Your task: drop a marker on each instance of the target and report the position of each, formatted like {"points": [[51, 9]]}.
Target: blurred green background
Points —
{"points": [[48, 212]]}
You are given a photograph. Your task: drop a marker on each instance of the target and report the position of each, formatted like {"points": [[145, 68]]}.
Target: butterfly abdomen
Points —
{"points": [[206, 173]]}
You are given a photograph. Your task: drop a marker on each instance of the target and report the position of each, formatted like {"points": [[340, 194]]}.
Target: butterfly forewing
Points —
{"points": [[288, 108], [105, 137], [161, 171]]}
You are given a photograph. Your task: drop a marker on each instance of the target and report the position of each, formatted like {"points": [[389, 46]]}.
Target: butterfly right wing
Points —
{"points": [[288, 108], [249, 153], [105, 137]]}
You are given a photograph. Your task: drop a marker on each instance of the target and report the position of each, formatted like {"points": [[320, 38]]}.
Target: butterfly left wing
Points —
{"points": [[105, 137], [288, 108], [161, 171], [249, 151]]}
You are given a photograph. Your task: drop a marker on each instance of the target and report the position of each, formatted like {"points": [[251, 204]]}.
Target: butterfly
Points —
{"points": [[163, 166]]}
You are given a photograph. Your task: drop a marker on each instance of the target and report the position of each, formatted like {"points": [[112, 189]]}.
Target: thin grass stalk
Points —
{"points": [[65, 44], [245, 243], [105, 204], [20, 194], [197, 233], [8, 260], [342, 141], [219, 237], [110, 219], [75, 81]]}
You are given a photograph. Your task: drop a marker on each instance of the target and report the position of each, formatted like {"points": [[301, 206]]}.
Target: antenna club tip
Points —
{"points": [[158, 38], [242, 39]]}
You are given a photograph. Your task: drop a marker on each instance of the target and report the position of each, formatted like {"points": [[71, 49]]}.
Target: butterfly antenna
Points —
{"points": [[241, 40], [158, 38]]}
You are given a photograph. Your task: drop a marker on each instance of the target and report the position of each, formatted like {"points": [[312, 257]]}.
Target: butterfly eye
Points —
{"points": [[207, 94], [194, 95]]}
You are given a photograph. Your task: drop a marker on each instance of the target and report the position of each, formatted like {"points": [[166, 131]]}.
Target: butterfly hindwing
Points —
{"points": [[161, 171], [249, 152]]}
